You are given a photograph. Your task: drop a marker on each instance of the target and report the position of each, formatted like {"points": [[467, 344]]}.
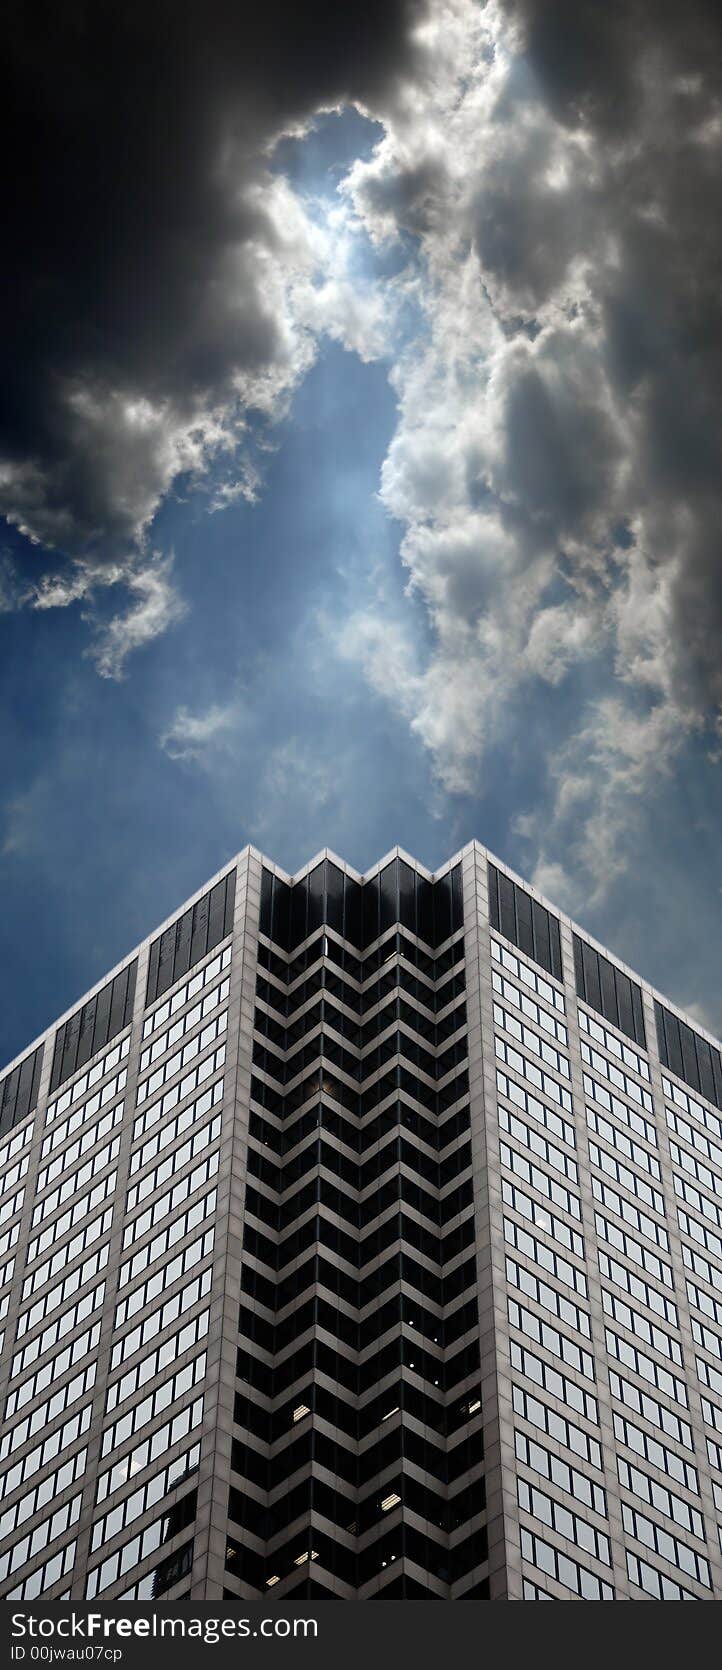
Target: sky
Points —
{"points": [[360, 464]]}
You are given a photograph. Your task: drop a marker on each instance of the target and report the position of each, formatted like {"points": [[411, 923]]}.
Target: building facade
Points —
{"points": [[361, 1237]]}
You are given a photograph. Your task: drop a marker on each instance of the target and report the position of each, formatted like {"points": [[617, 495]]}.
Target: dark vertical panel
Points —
{"points": [[717, 1071], [689, 1056], [216, 911], [266, 902], [316, 898], [24, 1087], [371, 911], [130, 993], [407, 896], [624, 998], [8, 1099], [334, 897], [425, 910], [442, 909], [230, 903], [542, 942], [507, 913], [85, 1035], [199, 932], [674, 1043], [661, 1038], [353, 912], [57, 1059], [70, 1046], [166, 957], [457, 899], [182, 947], [102, 1019], [494, 917], [117, 1003], [37, 1070], [610, 1005], [706, 1070], [388, 897], [525, 935], [556, 948], [152, 986], [579, 968], [640, 1035], [591, 977], [298, 914], [281, 921]]}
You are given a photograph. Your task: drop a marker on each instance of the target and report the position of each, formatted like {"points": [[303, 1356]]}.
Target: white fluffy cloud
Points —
{"points": [[556, 461]]}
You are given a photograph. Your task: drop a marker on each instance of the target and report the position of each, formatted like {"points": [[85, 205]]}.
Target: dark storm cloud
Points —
{"points": [[643, 85], [140, 250]]}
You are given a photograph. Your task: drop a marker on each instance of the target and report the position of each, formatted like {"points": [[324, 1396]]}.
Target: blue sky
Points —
{"points": [[427, 551]]}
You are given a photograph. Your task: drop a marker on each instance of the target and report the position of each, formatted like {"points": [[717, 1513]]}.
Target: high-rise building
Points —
{"points": [[361, 1236]]}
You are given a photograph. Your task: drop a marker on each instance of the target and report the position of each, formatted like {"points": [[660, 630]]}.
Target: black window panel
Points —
{"points": [[542, 952], [425, 910], [556, 944], [102, 1018], [525, 935], [442, 909], [624, 998], [298, 913], [579, 968], [706, 1070], [166, 959], [85, 1036], [610, 1005], [457, 899], [197, 931], [19, 1091], [638, 1013], [24, 1088], [674, 1044], [334, 897], [182, 948], [266, 916], [93, 1026], [591, 977], [661, 1035], [216, 913], [353, 917], [130, 995], [316, 898], [118, 1003], [153, 959], [525, 922], [717, 1071], [70, 1046], [388, 897], [37, 1060], [199, 935], [494, 916], [507, 911], [230, 903], [371, 911], [281, 931], [8, 1093], [692, 1058], [690, 1070], [407, 896]]}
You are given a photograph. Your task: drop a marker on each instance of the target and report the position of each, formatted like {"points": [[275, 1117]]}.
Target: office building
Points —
{"points": [[361, 1237]]}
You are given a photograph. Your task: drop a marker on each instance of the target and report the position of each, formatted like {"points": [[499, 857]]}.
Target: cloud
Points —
{"points": [[556, 463], [196, 736], [154, 604], [166, 288]]}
